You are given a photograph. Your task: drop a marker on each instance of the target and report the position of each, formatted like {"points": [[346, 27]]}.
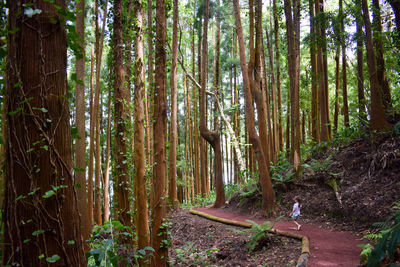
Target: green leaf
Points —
{"points": [[53, 258], [30, 150], [38, 232], [41, 109], [41, 256], [49, 194], [71, 242], [12, 113], [20, 197]]}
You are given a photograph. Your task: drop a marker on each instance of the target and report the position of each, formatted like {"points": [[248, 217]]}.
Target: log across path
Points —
{"points": [[327, 247]]}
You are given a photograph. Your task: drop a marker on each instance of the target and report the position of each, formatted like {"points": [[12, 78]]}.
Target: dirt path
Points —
{"points": [[328, 247]]}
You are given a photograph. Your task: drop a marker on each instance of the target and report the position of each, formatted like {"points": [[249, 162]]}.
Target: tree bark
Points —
{"points": [[142, 217], [293, 40], [122, 118], [174, 105], [344, 66], [321, 71], [40, 186], [360, 64], [212, 137], [314, 83], [150, 88], [378, 120], [96, 113], [379, 50], [159, 233], [266, 185], [80, 152]]}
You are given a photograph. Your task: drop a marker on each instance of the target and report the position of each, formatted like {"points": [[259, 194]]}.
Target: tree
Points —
{"points": [[378, 120], [293, 40], [158, 233], [80, 152], [315, 118], [360, 62], [173, 135], [212, 137], [322, 73], [39, 186], [380, 59], [344, 66], [122, 118], [268, 194], [142, 226]]}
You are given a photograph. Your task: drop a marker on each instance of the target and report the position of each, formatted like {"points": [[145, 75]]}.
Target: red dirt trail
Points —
{"points": [[328, 247]]}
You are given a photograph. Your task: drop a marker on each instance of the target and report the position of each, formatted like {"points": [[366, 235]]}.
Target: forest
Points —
{"points": [[123, 119]]}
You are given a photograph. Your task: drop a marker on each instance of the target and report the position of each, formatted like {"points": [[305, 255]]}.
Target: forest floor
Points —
{"points": [[367, 176]]}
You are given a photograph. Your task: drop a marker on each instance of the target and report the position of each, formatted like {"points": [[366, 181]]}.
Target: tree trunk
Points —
{"points": [[344, 66], [278, 74], [378, 120], [80, 152], [174, 105], [212, 137], [265, 181], [122, 119], [314, 83], [39, 187], [360, 64], [379, 50], [293, 39], [159, 233], [276, 129], [142, 218], [321, 71], [150, 89], [337, 82], [107, 159]]}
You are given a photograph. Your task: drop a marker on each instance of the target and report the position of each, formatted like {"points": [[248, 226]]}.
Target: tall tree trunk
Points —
{"points": [[337, 85], [142, 217], [122, 118], [378, 120], [314, 83], [174, 105], [96, 111], [40, 185], [159, 233], [344, 66], [265, 181], [322, 92], [360, 64], [276, 129], [196, 181], [107, 159], [278, 74], [150, 88], [254, 69], [379, 50], [91, 141], [212, 137], [293, 39], [80, 152]]}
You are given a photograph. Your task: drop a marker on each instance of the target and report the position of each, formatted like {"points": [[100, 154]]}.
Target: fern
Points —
{"points": [[390, 237]]}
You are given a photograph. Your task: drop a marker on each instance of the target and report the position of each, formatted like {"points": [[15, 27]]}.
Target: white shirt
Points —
{"points": [[296, 208]]}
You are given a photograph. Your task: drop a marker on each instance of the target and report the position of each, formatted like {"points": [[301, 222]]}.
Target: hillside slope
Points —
{"points": [[367, 175]]}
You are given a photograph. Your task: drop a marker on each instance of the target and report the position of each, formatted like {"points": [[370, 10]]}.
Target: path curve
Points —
{"points": [[328, 247]]}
